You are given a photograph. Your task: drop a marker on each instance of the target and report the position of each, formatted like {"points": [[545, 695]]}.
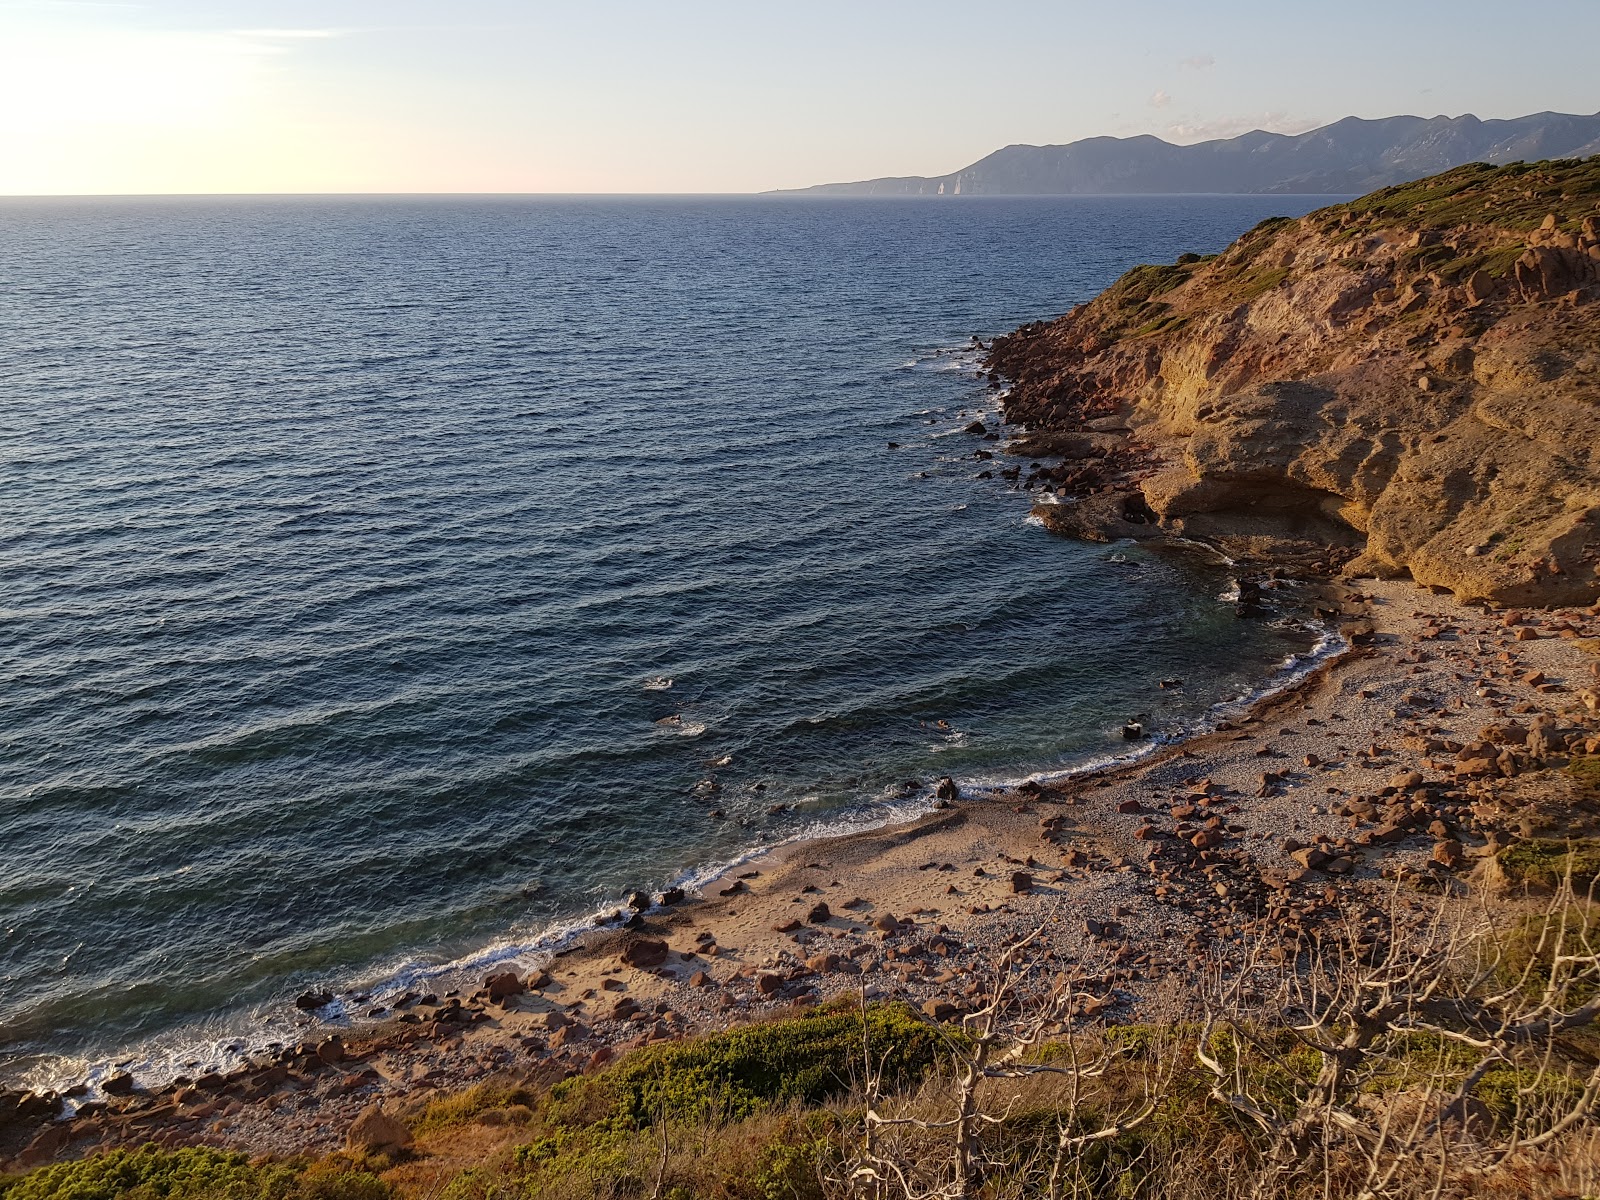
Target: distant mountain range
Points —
{"points": [[1350, 156]]}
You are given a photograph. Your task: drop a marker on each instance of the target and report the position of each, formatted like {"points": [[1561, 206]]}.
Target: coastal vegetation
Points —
{"points": [[1451, 1056]]}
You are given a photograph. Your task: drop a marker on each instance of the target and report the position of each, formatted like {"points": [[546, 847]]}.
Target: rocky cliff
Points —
{"points": [[1409, 382]]}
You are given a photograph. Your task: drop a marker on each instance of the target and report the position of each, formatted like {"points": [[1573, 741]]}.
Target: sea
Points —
{"points": [[390, 585]]}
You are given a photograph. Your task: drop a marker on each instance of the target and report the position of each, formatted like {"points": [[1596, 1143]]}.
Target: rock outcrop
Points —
{"points": [[1409, 382]]}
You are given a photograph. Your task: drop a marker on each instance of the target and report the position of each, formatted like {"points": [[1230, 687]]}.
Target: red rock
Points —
{"points": [[375, 1131], [644, 954], [504, 986]]}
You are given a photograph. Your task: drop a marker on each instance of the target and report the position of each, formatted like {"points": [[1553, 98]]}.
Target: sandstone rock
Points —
{"points": [[940, 1010], [1021, 881], [45, 1145], [1448, 854], [1309, 857], [23, 1107], [947, 789], [331, 1050], [503, 986], [376, 1132], [819, 914], [644, 954]]}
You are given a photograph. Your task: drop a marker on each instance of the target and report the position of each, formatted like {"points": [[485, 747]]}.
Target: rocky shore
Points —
{"points": [[1407, 385], [1404, 392], [1442, 739]]}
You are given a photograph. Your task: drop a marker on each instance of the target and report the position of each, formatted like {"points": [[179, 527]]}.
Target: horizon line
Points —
{"points": [[809, 193]]}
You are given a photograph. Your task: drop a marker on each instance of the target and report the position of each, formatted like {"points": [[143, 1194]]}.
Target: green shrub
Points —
{"points": [[1587, 773], [1544, 862], [728, 1076], [194, 1173]]}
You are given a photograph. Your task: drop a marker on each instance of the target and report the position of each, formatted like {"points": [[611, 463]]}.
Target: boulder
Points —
{"points": [[940, 1010], [331, 1050], [1310, 857], [644, 954], [24, 1107], [504, 986], [819, 915], [46, 1145], [376, 1132], [1021, 882]]}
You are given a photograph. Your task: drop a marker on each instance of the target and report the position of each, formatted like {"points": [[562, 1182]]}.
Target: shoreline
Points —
{"points": [[171, 1057], [1143, 872]]}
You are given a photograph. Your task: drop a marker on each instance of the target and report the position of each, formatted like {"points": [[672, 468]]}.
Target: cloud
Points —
{"points": [[1199, 62], [274, 34], [1227, 127], [1160, 99]]}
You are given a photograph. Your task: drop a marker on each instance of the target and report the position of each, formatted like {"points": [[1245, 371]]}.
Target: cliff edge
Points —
{"points": [[1405, 383]]}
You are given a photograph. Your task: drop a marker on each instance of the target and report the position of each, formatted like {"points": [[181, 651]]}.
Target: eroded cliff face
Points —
{"points": [[1406, 383]]}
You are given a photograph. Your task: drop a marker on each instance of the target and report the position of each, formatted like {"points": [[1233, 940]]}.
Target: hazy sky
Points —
{"points": [[707, 96]]}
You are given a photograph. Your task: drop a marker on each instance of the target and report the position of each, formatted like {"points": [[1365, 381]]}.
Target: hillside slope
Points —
{"points": [[1348, 156], [1410, 381]]}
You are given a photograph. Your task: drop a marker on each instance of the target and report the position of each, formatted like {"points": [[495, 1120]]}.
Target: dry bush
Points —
{"points": [[1445, 1052]]}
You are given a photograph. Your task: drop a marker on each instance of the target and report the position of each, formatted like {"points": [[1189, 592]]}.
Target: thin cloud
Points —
{"points": [[1160, 99], [1198, 62], [275, 34]]}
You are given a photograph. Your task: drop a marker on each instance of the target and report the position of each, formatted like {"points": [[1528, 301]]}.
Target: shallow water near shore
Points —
{"points": [[393, 581]]}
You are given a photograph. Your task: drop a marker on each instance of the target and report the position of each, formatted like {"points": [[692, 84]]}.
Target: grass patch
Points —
{"points": [[733, 1075], [1586, 771], [1514, 196], [1544, 862]]}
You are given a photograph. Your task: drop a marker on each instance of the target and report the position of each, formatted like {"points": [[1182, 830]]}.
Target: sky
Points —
{"points": [[215, 96]]}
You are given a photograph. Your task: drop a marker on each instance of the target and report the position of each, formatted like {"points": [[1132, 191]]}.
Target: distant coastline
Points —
{"points": [[1346, 158]]}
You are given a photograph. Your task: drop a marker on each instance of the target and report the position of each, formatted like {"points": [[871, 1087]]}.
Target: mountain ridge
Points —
{"points": [[1353, 155]]}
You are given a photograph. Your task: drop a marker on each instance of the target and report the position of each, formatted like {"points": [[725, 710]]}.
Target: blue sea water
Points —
{"points": [[349, 545]]}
